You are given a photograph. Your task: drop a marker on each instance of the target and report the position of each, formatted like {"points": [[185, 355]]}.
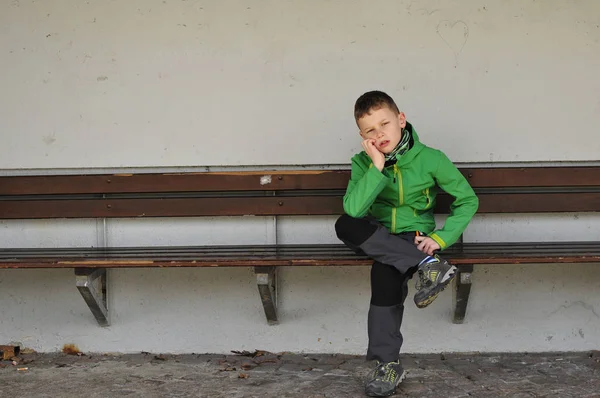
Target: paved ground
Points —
{"points": [[263, 375]]}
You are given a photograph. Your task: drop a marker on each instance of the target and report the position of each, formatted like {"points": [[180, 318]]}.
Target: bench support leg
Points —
{"points": [[461, 292], [95, 297], [266, 279]]}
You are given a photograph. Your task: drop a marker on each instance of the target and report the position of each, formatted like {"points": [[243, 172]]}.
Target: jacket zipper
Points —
{"points": [[400, 188], [398, 174], [394, 208]]}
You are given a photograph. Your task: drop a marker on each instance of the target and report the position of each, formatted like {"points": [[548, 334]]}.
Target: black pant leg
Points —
{"points": [[389, 289]]}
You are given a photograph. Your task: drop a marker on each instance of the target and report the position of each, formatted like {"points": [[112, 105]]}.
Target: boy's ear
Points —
{"points": [[402, 119], [359, 130]]}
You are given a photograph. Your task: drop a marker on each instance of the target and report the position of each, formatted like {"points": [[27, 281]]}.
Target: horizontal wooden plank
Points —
{"points": [[532, 202], [268, 205], [496, 177], [303, 250], [172, 207], [286, 255], [507, 177], [284, 263], [181, 182]]}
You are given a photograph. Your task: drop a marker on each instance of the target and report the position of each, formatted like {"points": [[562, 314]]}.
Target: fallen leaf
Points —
{"points": [[9, 351], [244, 353], [256, 353], [243, 376], [247, 366], [22, 369], [70, 349]]}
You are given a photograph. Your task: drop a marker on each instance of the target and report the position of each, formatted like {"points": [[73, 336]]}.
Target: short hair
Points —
{"points": [[373, 100]]}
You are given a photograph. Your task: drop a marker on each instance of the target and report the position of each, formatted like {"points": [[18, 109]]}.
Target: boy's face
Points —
{"points": [[383, 126]]}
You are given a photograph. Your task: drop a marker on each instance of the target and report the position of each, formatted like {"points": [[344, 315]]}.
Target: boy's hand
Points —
{"points": [[426, 244], [376, 156]]}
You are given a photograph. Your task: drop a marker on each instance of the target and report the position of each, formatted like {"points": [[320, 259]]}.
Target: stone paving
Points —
{"points": [[263, 374]]}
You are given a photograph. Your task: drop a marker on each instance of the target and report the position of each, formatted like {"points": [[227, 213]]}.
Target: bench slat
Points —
{"points": [[269, 206], [170, 207], [538, 202], [276, 180], [471, 253], [174, 182], [308, 251], [542, 259], [499, 177], [285, 248]]}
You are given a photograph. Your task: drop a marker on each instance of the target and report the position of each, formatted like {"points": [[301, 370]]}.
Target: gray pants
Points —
{"points": [[395, 260]]}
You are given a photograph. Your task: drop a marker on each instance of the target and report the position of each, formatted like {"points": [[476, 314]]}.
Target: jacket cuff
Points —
{"points": [[438, 240]]}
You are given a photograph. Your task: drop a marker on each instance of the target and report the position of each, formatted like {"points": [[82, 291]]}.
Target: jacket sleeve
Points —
{"points": [[463, 208], [366, 182]]}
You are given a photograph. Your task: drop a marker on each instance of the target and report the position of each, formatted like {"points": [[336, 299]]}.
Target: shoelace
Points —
{"points": [[423, 280], [385, 372]]}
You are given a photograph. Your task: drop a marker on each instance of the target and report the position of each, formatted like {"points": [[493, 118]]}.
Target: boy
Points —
{"points": [[389, 206]]}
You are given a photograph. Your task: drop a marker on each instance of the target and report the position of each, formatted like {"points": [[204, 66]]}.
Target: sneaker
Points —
{"points": [[384, 379], [435, 274]]}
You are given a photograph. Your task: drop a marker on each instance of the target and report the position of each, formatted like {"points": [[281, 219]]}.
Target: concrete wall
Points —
{"points": [[181, 85], [186, 83]]}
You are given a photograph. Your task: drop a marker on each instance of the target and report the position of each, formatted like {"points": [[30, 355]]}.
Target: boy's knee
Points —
{"points": [[354, 230], [344, 224]]}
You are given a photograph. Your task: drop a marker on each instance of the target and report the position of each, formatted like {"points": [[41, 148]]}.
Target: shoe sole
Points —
{"points": [[402, 377], [450, 275]]}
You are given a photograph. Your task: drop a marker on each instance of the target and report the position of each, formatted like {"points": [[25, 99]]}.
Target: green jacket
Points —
{"points": [[402, 197]]}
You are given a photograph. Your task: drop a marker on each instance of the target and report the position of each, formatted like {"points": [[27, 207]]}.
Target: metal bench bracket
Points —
{"points": [[461, 292], [86, 280], [266, 279]]}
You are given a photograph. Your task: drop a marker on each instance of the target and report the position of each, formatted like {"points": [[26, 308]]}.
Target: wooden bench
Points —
{"points": [[275, 193]]}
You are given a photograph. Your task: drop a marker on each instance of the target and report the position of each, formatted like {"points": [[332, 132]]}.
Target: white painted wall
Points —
{"points": [[185, 83], [115, 85]]}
